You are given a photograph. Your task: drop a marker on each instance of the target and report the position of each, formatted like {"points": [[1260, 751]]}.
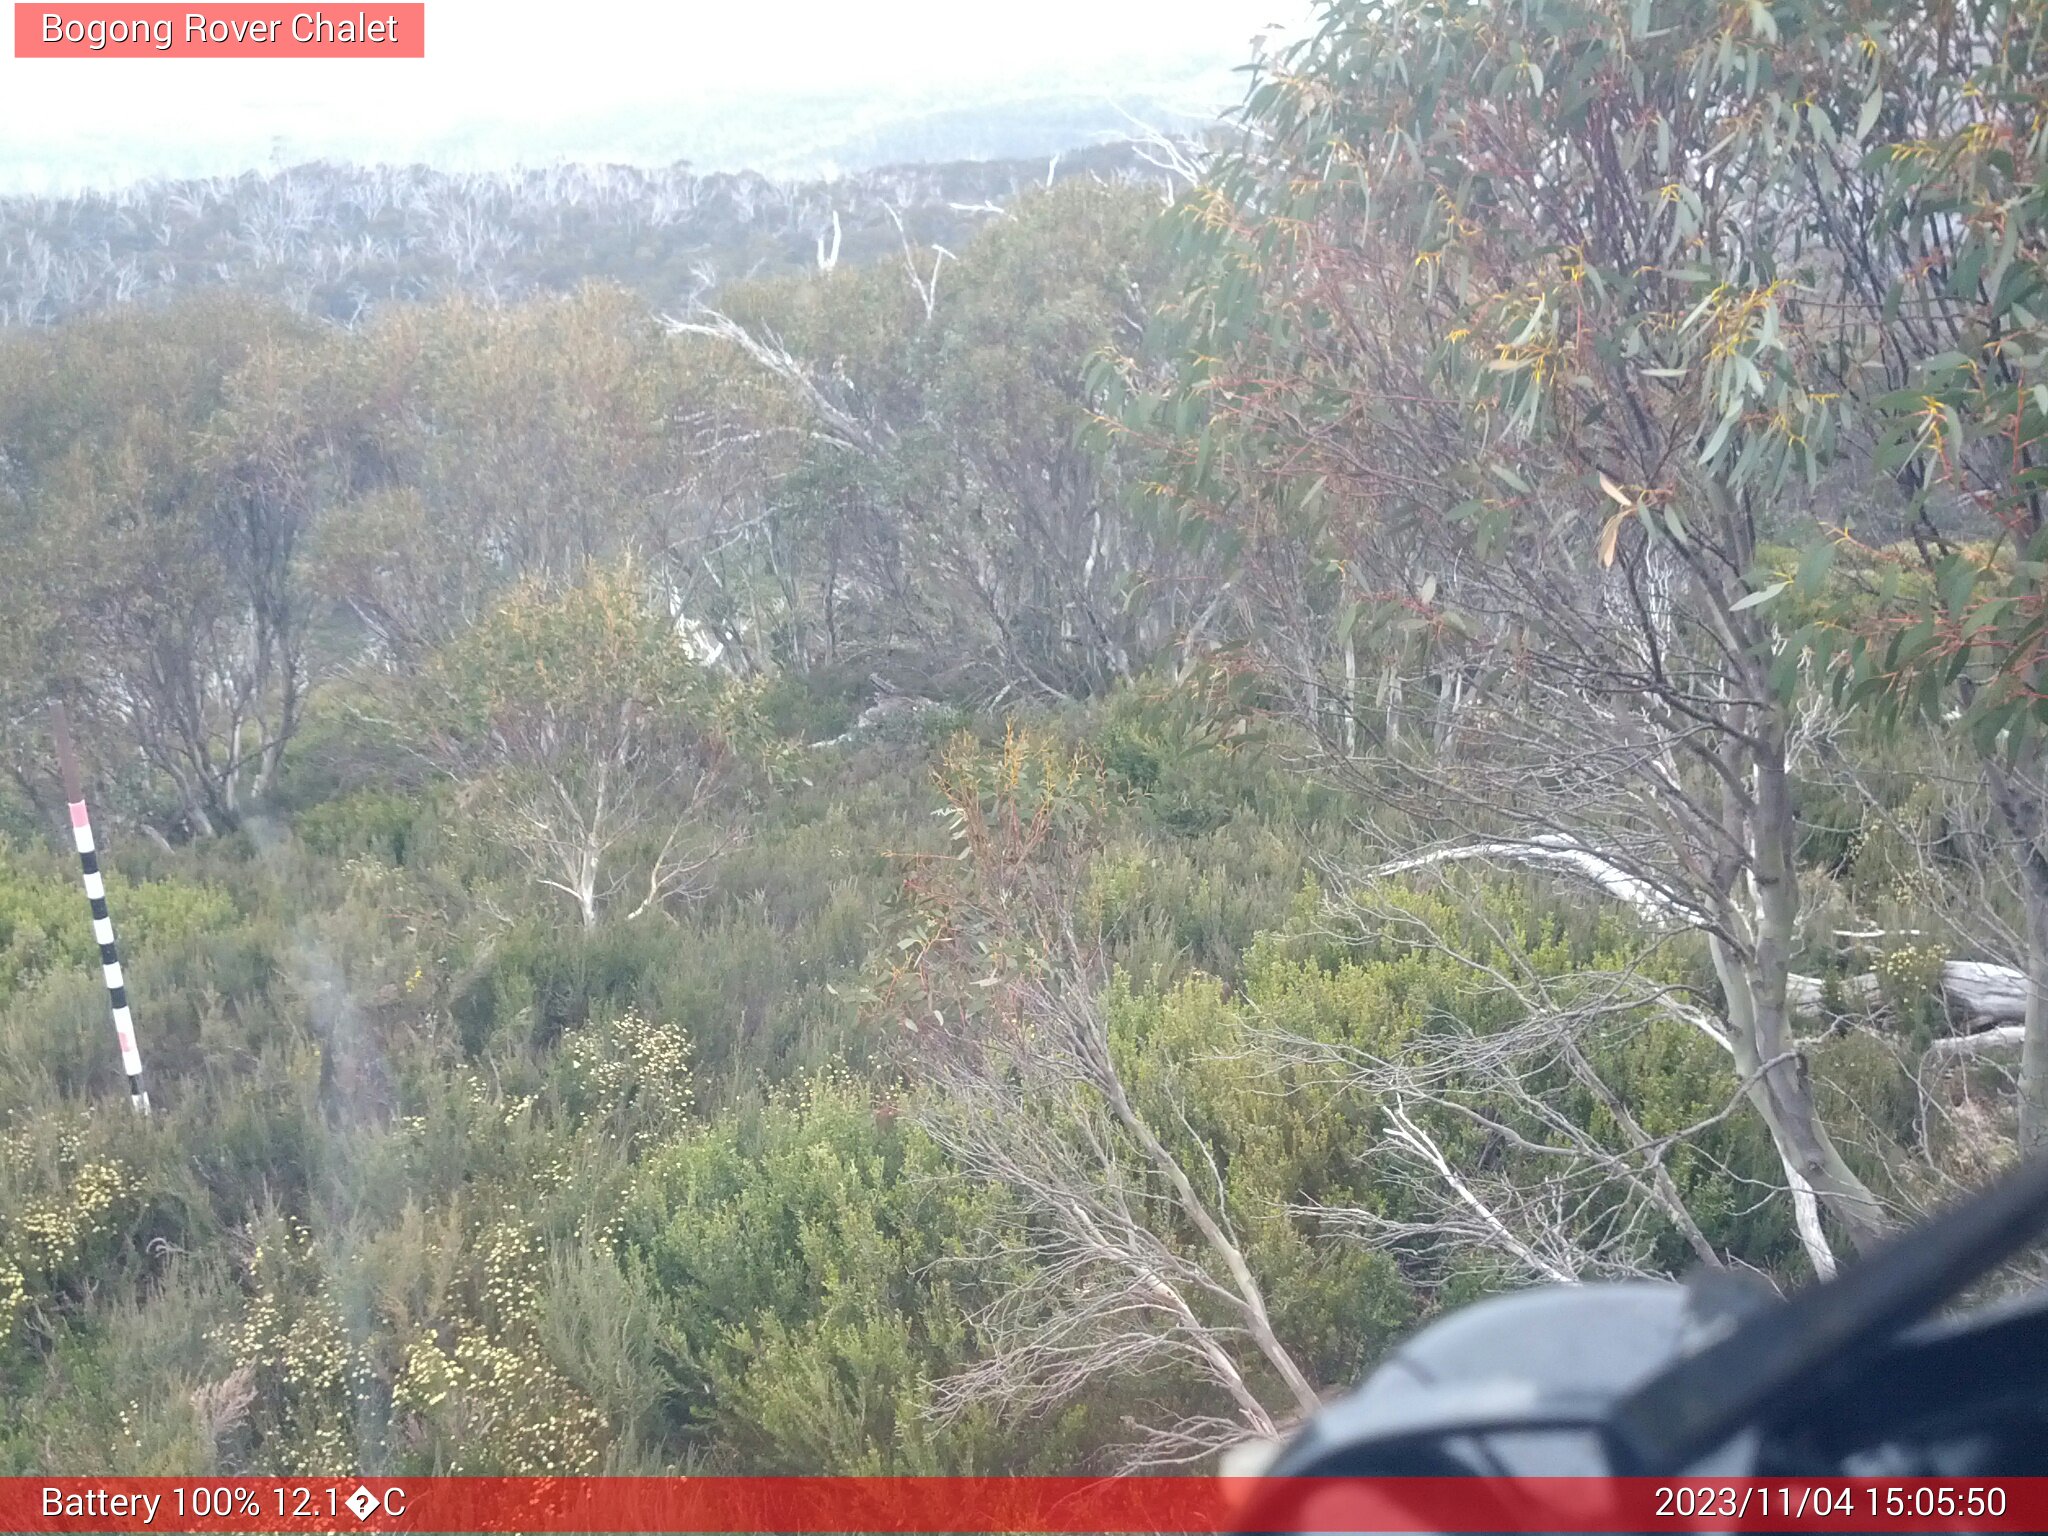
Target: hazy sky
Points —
{"points": [[536, 62]]}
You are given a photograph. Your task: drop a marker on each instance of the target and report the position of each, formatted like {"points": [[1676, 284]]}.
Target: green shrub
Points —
{"points": [[815, 705], [379, 822], [45, 925], [798, 1254]]}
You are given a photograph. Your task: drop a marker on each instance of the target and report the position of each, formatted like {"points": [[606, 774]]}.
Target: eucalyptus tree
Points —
{"points": [[915, 482], [497, 444], [1939, 228], [1514, 347], [586, 734], [162, 473]]}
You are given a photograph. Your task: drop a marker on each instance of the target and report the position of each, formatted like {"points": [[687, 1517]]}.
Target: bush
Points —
{"points": [[798, 1254]]}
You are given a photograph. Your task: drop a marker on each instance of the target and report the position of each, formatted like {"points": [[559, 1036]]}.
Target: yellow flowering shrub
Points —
{"points": [[480, 1396], [309, 1377], [57, 1203], [628, 1073]]}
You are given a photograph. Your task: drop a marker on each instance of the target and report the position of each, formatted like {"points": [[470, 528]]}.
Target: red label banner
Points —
{"points": [[224, 31], [1199, 1506]]}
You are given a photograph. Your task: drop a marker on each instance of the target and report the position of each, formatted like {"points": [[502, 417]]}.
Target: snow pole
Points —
{"points": [[96, 898]]}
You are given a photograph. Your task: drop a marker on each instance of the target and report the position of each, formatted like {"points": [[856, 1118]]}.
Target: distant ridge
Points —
{"points": [[335, 241]]}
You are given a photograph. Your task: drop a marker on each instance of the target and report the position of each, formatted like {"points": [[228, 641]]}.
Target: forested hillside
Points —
{"points": [[1016, 854], [336, 241]]}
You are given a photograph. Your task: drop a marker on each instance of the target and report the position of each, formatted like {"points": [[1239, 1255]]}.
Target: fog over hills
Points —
{"points": [[669, 195], [788, 133], [806, 137]]}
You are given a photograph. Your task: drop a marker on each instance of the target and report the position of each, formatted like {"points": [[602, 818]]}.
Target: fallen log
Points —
{"points": [[1979, 994], [1987, 994], [1807, 995], [2004, 1037]]}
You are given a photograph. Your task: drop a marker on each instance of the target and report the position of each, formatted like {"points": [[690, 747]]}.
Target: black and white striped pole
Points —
{"points": [[102, 924]]}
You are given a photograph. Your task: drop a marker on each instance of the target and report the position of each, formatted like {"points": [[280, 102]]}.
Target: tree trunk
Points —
{"points": [[1757, 987], [2034, 1042], [2018, 794]]}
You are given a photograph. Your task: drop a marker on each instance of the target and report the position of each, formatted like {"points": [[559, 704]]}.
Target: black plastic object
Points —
{"points": [[1714, 1377], [1825, 1335]]}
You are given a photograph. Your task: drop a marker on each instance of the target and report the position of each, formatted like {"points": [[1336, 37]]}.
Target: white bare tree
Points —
{"points": [[1132, 1263], [578, 725]]}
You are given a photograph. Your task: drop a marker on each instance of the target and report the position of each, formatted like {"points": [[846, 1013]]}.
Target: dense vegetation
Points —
{"points": [[1015, 858], [335, 241]]}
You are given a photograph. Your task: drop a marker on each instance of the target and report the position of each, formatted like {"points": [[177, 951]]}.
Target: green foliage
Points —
{"points": [[164, 471], [489, 1402], [803, 1256], [1279, 1139], [378, 822], [481, 606], [1195, 757], [913, 452], [516, 1198], [812, 706], [1962, 175], [626, 1076], [545, 668], [1670, 290], [1910, 976], [42, 926], [589, 735]]}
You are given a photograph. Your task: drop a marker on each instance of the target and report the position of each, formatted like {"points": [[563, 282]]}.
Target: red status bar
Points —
{"points": [[1194, 1505]]}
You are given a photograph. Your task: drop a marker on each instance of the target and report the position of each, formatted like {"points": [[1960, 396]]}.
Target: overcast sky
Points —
{"points": [[533, 63]]}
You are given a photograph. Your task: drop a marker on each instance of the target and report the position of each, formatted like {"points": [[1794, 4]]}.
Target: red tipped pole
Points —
{"points": [[96, 898]]}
